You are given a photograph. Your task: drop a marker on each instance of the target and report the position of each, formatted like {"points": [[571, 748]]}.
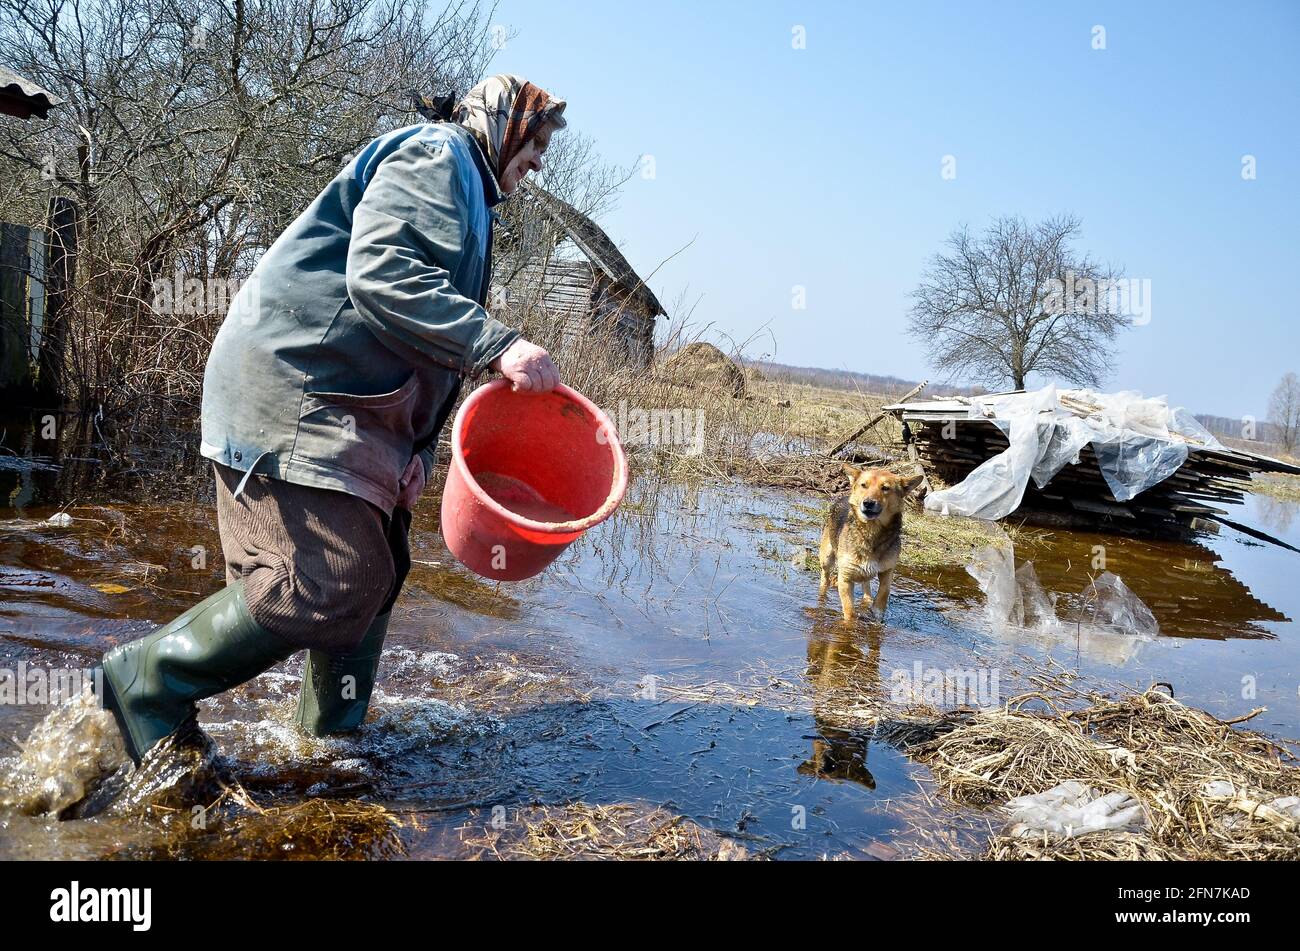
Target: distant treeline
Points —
{"points": [[850, 380], [1229, 426], [1236, 428]]}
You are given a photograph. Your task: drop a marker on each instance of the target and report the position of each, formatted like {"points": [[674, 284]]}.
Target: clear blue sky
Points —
{"points": [[821, 167]]}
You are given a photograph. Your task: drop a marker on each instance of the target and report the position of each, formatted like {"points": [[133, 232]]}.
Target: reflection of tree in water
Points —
{"points": [[1276, 514], [633, 549], [48, 458], [673, 549]]}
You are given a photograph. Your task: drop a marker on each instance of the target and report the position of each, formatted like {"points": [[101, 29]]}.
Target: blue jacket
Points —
{"points": [[341, 355]]}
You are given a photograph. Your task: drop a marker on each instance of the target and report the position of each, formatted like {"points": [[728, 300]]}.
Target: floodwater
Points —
{"points": [[675, 657]]}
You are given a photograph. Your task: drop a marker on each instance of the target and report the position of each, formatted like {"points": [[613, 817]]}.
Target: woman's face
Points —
{"points": [[528, 160]]}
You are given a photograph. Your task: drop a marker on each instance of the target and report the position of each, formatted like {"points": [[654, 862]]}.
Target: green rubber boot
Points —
{"points": [[152, 684], [336, 687]]}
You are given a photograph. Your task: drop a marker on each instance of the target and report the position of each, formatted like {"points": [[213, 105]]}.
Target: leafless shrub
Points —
{"points": [[191, 136]]}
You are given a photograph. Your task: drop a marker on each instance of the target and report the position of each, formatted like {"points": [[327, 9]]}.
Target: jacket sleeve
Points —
{"points": [[409, 233]]}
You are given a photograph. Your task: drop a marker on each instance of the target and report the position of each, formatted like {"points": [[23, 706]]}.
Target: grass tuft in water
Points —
{"points": [[580, 831]]}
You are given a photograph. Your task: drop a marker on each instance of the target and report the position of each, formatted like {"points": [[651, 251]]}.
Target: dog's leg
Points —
{"points": [[846, 597], [882, 592], [825, 558]]}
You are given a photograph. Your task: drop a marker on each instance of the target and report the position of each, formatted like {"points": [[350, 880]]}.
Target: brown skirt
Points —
{"points": [[317, 565]]}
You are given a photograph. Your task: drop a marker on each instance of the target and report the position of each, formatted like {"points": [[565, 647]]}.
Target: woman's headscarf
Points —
{"points": [[503, 113]]}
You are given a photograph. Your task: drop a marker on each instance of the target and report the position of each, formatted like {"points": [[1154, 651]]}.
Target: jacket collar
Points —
{"points": [[492, 193]]}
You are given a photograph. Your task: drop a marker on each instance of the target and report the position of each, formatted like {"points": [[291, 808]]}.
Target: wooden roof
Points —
{"points": [[596, 245], [23, 98]]}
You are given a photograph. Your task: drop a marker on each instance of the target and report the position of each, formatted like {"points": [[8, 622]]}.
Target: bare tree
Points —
{"points": [[1284, 411], [192, 134], [1016, 300]]}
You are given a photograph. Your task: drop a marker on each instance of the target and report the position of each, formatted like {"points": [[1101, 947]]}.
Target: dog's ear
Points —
{"points": [[852, 472], [912, 483]]}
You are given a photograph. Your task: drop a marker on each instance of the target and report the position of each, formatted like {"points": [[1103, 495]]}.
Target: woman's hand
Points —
{"points": [[528, 367], [411, 484]]}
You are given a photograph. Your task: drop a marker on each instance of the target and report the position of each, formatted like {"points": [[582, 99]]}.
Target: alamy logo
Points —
{"points": [[25, 685], [1129, 298], [212, 295], [74, 904], [638, 426], [954, 687]]}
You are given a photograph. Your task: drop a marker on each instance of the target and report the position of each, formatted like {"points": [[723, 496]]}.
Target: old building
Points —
{"points": [[585, 282]]}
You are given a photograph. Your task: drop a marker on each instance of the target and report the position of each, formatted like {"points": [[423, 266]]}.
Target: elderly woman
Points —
{"points": [[329, 381]]}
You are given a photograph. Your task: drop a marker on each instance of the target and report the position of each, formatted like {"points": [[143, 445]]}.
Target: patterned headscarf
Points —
{"points": [[504, 112]]}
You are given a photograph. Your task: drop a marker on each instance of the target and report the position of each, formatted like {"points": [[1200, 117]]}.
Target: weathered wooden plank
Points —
{"points": [[15, 368], [60, 272]]}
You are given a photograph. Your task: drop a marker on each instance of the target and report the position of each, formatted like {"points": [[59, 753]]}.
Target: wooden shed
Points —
{"points": [[23, 251], [595, 289]]}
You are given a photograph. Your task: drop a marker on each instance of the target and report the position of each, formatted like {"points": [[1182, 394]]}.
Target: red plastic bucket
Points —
{"points": [[530, 472]]}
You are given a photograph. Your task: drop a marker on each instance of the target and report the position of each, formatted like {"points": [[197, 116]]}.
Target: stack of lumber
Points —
{"points": [[1078, 494]]}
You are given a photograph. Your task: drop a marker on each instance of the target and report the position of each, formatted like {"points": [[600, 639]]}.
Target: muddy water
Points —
{"points": [[675, 656]]}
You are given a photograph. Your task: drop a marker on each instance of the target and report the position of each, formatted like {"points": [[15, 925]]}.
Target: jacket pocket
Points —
{"points": [[369, 436]]}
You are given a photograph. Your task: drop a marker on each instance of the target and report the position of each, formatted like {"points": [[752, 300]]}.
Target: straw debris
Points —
{"points": [[579, 831], [1207, 789]]}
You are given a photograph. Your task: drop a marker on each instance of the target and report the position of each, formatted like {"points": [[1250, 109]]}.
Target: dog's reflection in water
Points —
{"points": [[843, 664]]}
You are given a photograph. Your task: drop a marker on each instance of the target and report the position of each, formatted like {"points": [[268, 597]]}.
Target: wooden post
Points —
{"points": [[60, 271], [15, 370]]}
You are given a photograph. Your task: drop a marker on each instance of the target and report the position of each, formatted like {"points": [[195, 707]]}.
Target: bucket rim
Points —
{"points": [[619, 483]]}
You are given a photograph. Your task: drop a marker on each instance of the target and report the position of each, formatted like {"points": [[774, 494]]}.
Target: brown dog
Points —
{"points": [[863, 536]]}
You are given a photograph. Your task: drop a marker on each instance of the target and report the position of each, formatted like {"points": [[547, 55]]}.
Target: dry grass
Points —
{"points": [[931, 540], [826, 416], [316, 829], [1274, 449], [774, 435], [1277, 486], [1149, 745], [579, 831]]}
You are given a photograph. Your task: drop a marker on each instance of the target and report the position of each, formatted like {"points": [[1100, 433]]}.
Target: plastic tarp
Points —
{"points": [[1071, 809], [1105, 622], [1138, 442]]}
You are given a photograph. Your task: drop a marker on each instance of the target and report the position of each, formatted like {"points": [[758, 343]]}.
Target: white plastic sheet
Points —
{"points": [[1070, 809], [1285, 807], [1106, 621], [1138, 442], [1113, 606]]}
